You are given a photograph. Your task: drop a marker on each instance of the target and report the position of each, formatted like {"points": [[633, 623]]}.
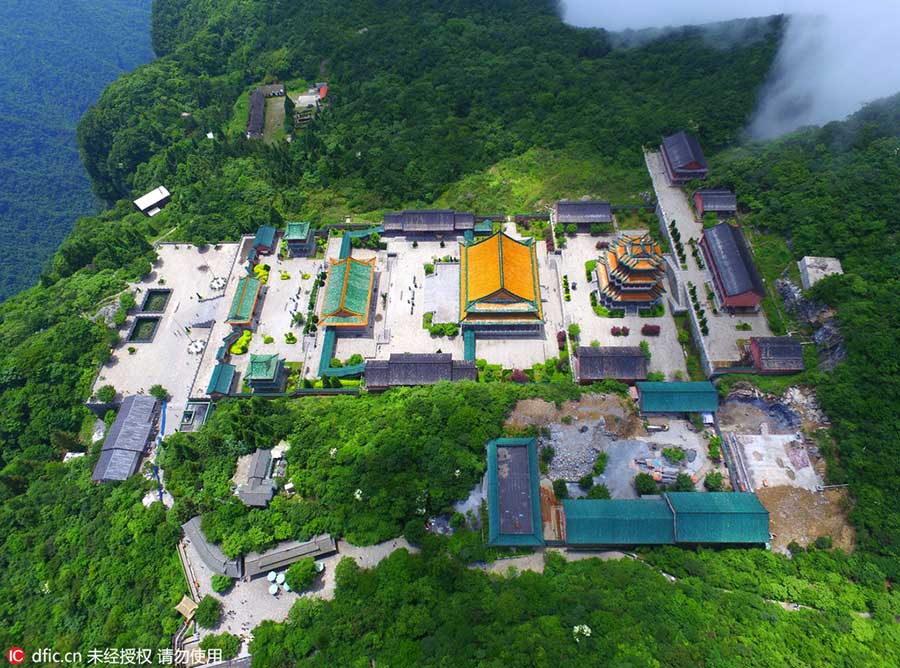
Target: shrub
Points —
{"points": [[567, 419], [560, 490], [656, 376], [823, 543], [683, 483], [159, 392], [644, 484], [429, 269], [589, 268], [715, 448], [268, 339], [645, 348], [574, 331], [713, 482], [674, 455], [240, 346], [595, 343], [600, 463], [132, 350], [106, 394], [650, 330], [561, 340], [571, 229], [119, 317], [599, 492], [290, 337], [127, 301], [585, 482], [547, 453], [301, 574], [229, 643], [457, 520], [625, 331], [208, 612], [221, 583], [519, 376]]}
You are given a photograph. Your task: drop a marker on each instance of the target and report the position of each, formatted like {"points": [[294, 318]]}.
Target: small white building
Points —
{"points": [[814, 269], [153, 202]]}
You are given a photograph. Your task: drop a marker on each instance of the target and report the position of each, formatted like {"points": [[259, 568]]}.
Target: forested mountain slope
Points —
{"points": [[425, 97], [55, 59], [834, 192]]}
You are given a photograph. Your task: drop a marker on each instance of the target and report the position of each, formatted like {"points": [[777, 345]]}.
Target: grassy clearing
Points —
{"points": [[274, 128], [537, 178], [773, 257]]}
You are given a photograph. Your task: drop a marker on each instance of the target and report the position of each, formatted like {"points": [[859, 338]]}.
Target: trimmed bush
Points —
{"points": [[221, 583], [208, 612], [106, 394], [301, 574], [644, 484], [560, 489], [650, 330]]}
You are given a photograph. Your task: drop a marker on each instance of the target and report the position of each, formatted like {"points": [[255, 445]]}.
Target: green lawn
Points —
{"points": [[539, 177]]}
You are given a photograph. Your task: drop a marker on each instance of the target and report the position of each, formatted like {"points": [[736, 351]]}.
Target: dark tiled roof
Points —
{"points": [[583, 211], [418, 369], [256, 118], [730, 253], [718, 200], [284, 554], [210, 553], [779, 353], [433, 220], [616, 362], [127, 438], [683, 149], [259, 488]]}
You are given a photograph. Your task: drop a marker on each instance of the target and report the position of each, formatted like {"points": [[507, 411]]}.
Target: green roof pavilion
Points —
{"points": [[678, 397], [348, 293], [296, 232], [222, 379], [244, 302], [513, 493], [262, 367], [265, 237], [646, 521], [719, 517]]}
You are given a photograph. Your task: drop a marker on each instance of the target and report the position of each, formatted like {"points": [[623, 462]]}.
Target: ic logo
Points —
{"points": [[15, 655]]}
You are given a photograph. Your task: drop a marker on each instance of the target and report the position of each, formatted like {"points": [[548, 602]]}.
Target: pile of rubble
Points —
{"points": [[829, 342], [575, 446]]}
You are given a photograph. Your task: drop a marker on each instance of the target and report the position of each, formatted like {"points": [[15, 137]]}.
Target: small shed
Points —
{"points": [[776, 354], [583, 213], [153, 202], [813, 269], [221, 382], [264, 241], [721, 202], [187, 607]]}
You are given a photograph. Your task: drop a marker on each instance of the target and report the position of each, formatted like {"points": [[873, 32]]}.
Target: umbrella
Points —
{"points": [[271, 576], [273, 589], [280, 578]]}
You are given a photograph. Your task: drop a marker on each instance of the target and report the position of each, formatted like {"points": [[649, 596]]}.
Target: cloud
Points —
{"points": [[836, 54]]}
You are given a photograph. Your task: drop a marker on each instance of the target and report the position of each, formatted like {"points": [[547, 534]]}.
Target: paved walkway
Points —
{"points": [[722, 340]]}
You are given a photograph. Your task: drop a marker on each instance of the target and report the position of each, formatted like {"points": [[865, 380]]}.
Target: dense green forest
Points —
{"points": [[834, 192], [467, 102], [430, 610], [55, 59]]}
